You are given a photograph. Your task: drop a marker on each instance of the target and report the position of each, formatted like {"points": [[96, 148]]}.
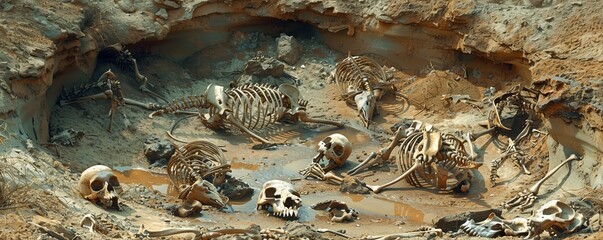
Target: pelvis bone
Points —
{"points": [[280, 199], [99, 185], [336, 148]]}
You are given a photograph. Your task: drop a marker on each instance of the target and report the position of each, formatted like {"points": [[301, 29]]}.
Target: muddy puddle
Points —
{"points": [[156, 181], [366, 206]]}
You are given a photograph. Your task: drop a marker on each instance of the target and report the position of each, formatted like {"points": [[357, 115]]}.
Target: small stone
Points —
{"points": [[577, 3], [549, 19], [162, 13], [158, 150], [288, 49], [303, 66]]}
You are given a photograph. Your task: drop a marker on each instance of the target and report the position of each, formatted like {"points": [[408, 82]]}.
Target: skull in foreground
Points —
{"points": [[279, 199], [99, 185]]}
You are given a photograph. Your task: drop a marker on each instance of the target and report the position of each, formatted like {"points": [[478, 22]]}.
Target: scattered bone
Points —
{"points": [[102, 225], [204, 192], [494, 226], [188, 208], [338, 233], [426, 157], [421, 232], [248, 107], [336, 148], [554, 217], [122, 57], [53, 228], [279, 199], [526, 198], [98, 185], [361, 82], [142, 233], [113, 93], [339, 211], [316, 171]]}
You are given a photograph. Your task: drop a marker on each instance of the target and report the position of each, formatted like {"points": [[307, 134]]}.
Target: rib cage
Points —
{"points": [[256, 106], [522, 98], [358, 73], [452, 157], [197, 160]]}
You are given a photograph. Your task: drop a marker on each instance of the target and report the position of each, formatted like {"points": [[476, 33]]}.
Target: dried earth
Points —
{"points": [[427, 49]]}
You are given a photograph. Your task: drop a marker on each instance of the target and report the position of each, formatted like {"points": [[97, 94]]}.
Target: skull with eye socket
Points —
{"points": [[280, 199], [336, 148], [98, 184]]}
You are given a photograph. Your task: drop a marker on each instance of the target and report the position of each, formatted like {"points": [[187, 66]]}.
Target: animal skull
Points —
{"points": [[99, 185], [280, 199], [556, 216], [366, 103], [336, 148], [204, 192]]}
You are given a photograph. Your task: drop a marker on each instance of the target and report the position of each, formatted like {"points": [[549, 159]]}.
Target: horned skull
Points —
{"points": [[366, 103], [279, 199], [99, 185], [204, 192], [336, 148]]}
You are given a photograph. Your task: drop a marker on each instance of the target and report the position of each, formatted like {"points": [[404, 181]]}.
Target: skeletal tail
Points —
{"points": [[180, 104]]}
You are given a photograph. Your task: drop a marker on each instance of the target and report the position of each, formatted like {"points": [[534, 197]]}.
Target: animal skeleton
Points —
{"points": [[122, 57], [109, 81], [362, 80], [526, 198], [338, 210], [194, 163], [316, 171], [426, 157], [246, 107]]}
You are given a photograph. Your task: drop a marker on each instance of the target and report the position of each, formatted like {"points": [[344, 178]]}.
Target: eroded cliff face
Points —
{"points": [[516, 42]]}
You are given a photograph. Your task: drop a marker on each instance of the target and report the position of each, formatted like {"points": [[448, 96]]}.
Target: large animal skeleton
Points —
{"points": [[361, 82], [112, 92], [426, 157], [247, 107], [192, 166]]}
